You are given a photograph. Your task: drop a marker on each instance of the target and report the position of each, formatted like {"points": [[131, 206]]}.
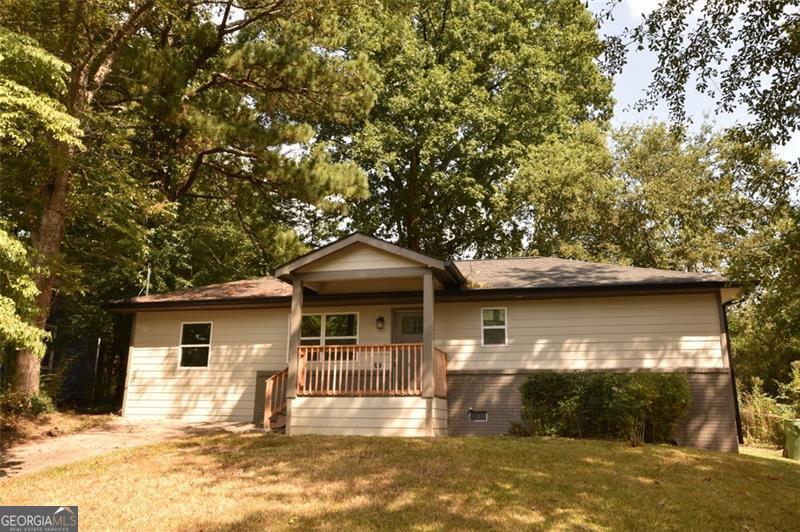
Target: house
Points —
{"points": [[366, 337]]}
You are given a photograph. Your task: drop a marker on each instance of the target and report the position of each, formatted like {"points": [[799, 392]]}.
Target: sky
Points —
{"points": [[630, 85]]}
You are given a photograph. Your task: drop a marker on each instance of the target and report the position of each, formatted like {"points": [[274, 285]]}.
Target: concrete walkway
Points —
{"points": [[121, 433]]}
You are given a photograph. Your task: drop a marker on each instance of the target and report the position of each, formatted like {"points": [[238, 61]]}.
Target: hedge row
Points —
{"points": [[636, 407]]}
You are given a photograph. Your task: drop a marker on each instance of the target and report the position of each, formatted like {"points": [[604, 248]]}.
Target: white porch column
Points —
{"points": [[295, 318], [427, 334]]}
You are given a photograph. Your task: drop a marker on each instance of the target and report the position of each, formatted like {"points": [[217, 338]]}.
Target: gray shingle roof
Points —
{"points": [[522, 273], [236, 290], [548, 272]]}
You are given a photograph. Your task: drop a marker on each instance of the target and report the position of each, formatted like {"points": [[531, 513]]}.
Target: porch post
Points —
{"points": [[295, 318], [294, 337], [427, 334]]}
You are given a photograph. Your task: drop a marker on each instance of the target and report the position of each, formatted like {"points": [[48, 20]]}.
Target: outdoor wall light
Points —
{"points": [[379, 323]]}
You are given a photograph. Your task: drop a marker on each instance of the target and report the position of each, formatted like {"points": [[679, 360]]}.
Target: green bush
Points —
{"points": [[636, 407], [12, 405], [762, 417]]}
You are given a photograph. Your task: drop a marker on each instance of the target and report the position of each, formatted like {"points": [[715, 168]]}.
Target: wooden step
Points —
{"points": [[278, 421]]}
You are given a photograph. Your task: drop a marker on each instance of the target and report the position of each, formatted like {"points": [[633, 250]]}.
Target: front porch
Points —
{"points": [[382, 386], [344, 373]]}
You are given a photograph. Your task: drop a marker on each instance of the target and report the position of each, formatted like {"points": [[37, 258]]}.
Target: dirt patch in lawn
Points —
{"points": [[50, 445], [21, 429]]}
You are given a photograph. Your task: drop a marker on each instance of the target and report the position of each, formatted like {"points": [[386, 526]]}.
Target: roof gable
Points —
{"points": [[359, 256], [364, 251]]}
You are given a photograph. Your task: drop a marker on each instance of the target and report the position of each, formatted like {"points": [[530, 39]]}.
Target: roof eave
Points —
{"points": [[123, 307]]}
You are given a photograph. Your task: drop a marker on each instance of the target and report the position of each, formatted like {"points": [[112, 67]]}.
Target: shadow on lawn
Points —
{"points": [[356, 482]]}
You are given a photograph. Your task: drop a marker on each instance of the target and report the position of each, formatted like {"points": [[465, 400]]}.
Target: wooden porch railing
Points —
{"points": [[360, 370], [439, 373], [275, 395]]}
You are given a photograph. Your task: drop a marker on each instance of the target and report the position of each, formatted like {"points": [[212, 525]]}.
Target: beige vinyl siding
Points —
{"points": [[660, 332], [363, 416], [359, 257], [242, 342], [636, 332]]}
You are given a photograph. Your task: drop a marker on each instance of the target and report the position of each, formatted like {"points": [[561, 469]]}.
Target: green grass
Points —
{"points": [[255, 480]]}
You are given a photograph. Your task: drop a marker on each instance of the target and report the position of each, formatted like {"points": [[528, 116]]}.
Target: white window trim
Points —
{"points": [[324, 318], [504, 327], [181, 345]]}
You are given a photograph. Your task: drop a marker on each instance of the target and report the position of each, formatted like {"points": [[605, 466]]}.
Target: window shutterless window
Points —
{"points": [[329, 329], [195, 344], [494, 330]]}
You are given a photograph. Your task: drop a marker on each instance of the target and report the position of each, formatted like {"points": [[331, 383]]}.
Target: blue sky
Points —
{"points": [[632, 82]]}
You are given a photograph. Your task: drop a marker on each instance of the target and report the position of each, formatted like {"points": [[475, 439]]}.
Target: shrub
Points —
{"points": [[636, 407], [12, 404], [790, 391], [762, 417]]}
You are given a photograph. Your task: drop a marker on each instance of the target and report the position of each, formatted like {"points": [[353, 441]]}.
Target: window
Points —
{"points": [[195, 344], [329, 329], [411, 324], [478, 416], [493, 325]]}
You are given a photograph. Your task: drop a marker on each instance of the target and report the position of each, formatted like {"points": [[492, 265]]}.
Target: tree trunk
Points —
{"points": [[413, 204], [47, 247]]}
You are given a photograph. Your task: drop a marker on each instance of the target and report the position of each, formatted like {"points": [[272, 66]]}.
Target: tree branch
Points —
{"points": [[101, 62]]}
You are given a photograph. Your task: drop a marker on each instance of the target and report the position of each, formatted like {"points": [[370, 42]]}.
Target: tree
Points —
{"points": [[563, 199], [17, 295], [765, 326], [30, 81], [182, 104], [88, 71], [681, 206], [738, 53], [465, 89]]}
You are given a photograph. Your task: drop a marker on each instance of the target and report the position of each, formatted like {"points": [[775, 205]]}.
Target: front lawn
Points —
{"points": [[256, 480]]}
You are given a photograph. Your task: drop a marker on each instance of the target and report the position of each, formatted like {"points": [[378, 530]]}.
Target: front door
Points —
{"points": [[407, 327]]}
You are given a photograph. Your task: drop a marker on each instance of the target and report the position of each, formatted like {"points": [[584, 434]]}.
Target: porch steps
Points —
{"points": [[277, 423], [275, 401]]}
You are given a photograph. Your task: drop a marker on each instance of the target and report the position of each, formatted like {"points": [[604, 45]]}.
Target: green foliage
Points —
{"points": [[202, 154], [31, 80], [637, 407], [17, 294], [790, 391], [13, 404], [737, 53], [764, 326], [465, 90], [681, 207], [762, 417], [563, 198]]}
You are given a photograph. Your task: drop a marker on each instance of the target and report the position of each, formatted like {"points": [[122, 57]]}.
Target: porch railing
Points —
{"points": [[360, 370], [275, 395]]}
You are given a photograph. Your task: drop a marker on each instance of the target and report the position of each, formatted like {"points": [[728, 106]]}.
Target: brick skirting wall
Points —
{"points": [[710, 423]]}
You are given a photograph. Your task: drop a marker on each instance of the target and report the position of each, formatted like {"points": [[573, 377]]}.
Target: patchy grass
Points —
{"points": [[19, 429], [256, 480]]}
